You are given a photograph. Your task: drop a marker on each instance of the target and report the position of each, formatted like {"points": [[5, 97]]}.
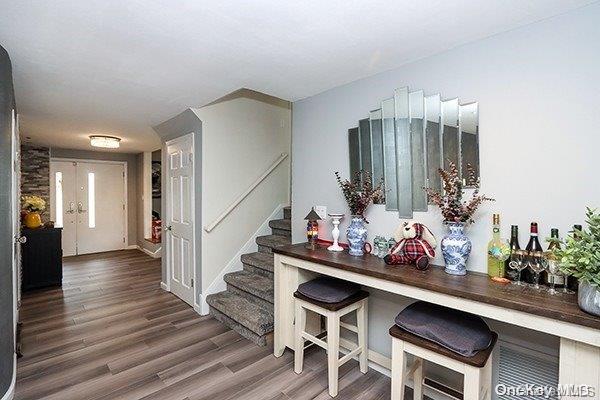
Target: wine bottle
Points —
{"points": [[514, 245], [547, 277], [532, 246], [498, 250], [573, 282]]}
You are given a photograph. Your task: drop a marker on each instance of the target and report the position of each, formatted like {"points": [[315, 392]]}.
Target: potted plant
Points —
{"points": [[457, 213], [579, 255], [359, 194], [33, 205]]}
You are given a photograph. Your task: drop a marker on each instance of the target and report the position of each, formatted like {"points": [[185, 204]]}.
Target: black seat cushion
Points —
{"points": [[458, 331], [328, 290]]}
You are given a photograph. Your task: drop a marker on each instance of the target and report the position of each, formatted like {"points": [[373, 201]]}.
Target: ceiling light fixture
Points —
{"points": [[109, 142]]}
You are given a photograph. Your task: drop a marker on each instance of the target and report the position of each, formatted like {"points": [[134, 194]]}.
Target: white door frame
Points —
{"points": [[125, 194], [165, 178]]}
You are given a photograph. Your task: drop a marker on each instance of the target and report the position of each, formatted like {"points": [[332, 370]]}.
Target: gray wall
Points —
{"points": [[7, 103], [538, 92], [132, 177], [178, 126]]}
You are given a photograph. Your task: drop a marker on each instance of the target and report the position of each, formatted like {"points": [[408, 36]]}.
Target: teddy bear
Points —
{"points": [[415, 245]]}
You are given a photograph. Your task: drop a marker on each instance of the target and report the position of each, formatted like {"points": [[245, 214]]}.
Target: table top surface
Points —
{"points": [[473, 286]]}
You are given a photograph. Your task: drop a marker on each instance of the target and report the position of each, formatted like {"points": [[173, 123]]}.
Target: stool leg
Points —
{"points": [[486, 380], [418, 380], [362, 323], [299, 340], [398, 369], [472, 386], [333, 351]]}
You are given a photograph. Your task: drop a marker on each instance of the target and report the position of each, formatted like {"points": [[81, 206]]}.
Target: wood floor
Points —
{"points": [[112, 333]]}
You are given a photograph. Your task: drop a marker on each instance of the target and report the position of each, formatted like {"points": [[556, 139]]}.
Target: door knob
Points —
{"points": [[80, 209], [71, 209], [20, 239]]}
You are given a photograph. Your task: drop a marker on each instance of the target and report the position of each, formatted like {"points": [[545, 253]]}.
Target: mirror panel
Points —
{"points": [[364, 133], [450, 140], [354, 147], [469, 141], [389, 154], [432, 141], [403, 156], [416, 114], [376, 150]]}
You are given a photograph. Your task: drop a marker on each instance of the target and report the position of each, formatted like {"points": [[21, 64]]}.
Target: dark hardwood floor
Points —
{"points": [[111, 333]]}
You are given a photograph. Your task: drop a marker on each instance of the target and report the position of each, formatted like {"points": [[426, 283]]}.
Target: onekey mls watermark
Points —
{"points": [[545, 391]]}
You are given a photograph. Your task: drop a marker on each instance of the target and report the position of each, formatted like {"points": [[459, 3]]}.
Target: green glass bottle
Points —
{"points": [[498, 250]]}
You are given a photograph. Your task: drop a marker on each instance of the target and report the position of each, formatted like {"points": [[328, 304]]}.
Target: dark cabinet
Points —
{"points": [[41, 258]]}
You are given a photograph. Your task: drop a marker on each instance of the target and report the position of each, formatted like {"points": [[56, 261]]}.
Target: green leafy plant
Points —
{"points": [[580, 252]]}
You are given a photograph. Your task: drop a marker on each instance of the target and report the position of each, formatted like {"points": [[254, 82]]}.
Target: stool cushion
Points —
{"points": [[458, 331], [328, 290]]}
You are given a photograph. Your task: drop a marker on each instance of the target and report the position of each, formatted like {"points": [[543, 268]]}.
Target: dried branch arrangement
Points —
{"points": [[360, 192], [450, 199]]}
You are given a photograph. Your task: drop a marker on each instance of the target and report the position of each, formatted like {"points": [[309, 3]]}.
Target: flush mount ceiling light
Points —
{"points": [[109, 142]]}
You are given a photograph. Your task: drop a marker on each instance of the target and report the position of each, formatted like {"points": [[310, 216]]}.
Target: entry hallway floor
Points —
{"points": [[112, 333]]}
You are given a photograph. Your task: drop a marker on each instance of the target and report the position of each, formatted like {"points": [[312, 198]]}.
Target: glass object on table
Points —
{"points": [[536, 264], [517, 262]]}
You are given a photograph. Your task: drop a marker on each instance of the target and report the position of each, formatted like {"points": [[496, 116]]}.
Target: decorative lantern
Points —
{"points": [[312, 228]]}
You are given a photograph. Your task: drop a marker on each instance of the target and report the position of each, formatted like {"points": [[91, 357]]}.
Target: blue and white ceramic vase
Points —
{"points": [[357, 235], [456, 248]]}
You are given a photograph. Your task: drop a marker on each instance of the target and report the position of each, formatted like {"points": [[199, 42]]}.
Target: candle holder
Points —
{"points": [[335, 220]]}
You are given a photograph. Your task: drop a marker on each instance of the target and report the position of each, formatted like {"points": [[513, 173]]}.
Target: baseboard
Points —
{"points": [[132, 247], [156, 254], [235, 264], [10, 393], [383, 365]]}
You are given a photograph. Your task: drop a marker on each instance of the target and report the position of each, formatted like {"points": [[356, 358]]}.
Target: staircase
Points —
{"points": [[247, 304]]}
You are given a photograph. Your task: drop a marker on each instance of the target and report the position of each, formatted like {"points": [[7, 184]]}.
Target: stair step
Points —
{"points": [[268, 242], [287, 212], [263, 261], [241, 311], [254, 284], [281, 224], [241, 329]]}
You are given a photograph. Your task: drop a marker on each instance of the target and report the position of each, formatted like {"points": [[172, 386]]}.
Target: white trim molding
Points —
{"points": [[235, 264], [10, 393], [164, 287], [155, 254]]}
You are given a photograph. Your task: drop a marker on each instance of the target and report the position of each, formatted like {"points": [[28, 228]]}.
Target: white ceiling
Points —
{"points": [[118, 67]]}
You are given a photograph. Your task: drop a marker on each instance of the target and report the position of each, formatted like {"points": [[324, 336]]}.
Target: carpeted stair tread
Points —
{"points": [[244, 312], [268, 242], [257, 285], [281, 224], [259, 260]]}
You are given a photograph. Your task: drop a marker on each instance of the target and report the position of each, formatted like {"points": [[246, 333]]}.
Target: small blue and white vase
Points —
{"points": [[357, 235], [456, 248]]}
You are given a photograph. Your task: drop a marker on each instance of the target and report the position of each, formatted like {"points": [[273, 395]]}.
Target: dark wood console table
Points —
{"points": [[475, 293]]}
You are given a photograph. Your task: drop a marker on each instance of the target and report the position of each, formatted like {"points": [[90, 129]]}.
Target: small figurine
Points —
{"points": [[415, 245]]}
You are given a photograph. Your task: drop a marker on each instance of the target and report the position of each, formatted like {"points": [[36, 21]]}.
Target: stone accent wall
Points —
{"points": [[35, 174]]}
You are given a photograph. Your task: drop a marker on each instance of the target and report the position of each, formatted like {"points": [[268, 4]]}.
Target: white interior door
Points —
{"points": [[180, 217], [88, 202], [100, 207], [63, 199]]}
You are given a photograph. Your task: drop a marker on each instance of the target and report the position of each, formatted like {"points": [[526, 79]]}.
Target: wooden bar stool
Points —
{"points": [[332, 312], [476, 368]]}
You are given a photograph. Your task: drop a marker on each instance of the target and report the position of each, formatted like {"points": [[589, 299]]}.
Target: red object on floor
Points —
{"points": [[156, 230]]}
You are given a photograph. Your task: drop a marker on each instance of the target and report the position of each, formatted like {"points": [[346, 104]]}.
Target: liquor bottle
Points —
{"points": [[532, 246], [547, 277], [514, 245], [498, 250], [573, 282]]}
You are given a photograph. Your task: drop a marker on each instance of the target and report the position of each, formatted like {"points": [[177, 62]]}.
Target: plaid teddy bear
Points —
{"points": [[415, 245]]}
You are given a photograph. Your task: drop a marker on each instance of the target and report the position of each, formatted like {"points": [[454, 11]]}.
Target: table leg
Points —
{"points": [[286, 282], [579, 369]]}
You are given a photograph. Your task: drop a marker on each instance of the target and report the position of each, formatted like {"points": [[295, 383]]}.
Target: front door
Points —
{"points": [[180, 218], [88, 202]]}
